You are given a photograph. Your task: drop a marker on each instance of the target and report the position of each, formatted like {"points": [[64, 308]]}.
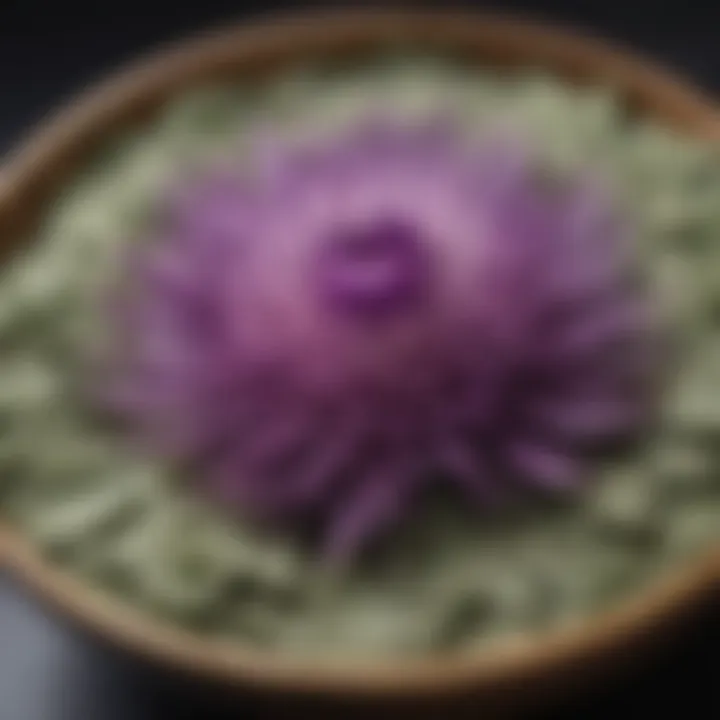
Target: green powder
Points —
{"points": [[448, 580]]}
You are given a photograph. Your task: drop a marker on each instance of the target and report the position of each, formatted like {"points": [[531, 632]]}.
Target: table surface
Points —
{"points": [[50, 50]]}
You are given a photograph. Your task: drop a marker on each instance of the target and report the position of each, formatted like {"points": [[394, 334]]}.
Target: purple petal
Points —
{"points": [[376, 503], [538, 463]]}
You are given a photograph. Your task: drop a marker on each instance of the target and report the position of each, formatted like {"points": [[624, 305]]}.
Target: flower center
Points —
{"points": [[374, 271]]}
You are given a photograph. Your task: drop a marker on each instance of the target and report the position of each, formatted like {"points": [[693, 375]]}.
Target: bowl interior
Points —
{"points": [[36, 172]]}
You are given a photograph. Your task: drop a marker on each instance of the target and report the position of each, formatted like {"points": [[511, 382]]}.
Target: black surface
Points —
{"points": [[51, 49]]}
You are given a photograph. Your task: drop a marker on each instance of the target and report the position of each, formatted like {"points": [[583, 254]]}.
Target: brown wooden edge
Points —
{"points": [[33, 174]]}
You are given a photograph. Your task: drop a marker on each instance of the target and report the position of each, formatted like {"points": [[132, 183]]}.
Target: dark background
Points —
{"points": [[50, 49]]}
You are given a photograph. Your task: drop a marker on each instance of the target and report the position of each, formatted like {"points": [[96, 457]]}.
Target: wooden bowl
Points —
{"points": [[518, 669]]}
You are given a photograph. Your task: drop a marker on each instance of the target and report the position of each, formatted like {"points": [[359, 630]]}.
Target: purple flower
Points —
{"points": [[323, 338]]}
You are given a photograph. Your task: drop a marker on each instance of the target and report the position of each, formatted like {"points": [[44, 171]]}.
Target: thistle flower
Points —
{"points": [[331, 331]]}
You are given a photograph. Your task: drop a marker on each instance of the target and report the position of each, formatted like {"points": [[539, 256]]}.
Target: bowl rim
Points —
{"points": [[31, 176]]}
